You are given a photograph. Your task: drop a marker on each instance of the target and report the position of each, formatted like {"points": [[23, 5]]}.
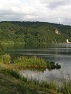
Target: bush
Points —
{"points": [[52, 65], [58, 66], [6, 58]]}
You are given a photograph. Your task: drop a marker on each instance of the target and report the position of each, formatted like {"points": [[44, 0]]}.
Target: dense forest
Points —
{"points": [[33, 34]]}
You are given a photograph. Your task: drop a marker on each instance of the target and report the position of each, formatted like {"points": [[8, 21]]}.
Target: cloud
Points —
{"points": [[56, 3], [58, 11]]}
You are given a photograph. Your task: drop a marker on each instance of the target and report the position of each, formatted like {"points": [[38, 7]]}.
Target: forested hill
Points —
{"points": [[34, 34]]}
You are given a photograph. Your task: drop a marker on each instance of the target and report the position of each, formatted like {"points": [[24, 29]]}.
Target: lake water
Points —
{"points": [[60, 54]]}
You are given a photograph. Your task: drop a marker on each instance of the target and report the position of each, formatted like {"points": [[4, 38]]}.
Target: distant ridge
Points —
{"points": [[34, 34]]}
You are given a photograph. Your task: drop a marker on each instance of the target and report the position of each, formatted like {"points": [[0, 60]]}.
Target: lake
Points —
{"points": [[60, 53]]}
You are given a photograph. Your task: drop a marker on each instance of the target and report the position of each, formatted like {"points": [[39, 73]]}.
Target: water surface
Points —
{"points": [[60, 54]]}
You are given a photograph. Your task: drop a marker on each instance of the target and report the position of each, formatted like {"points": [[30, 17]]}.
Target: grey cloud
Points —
{"points": [[55, 5], [52, 4], [10, 16], [67, 21], [5, 12]]}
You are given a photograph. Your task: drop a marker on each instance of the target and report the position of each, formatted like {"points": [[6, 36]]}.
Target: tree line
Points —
{"points": [[39, 34]]}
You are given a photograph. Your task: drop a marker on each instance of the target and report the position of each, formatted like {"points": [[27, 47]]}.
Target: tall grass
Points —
{"points": [[66, 85], [36, 87], [27, 62], [33, 61], [6, 59], [28, 86], [11, 72]]}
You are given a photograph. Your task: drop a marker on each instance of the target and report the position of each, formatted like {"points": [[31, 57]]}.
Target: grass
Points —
{"points": [[34, 62], [11, 82], [66, 85], [22, 62]]}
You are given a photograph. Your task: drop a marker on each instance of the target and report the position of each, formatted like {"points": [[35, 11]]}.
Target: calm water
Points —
{"points": [[60, 54]]}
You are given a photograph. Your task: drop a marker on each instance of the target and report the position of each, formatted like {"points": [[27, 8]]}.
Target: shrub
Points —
{"points": [[6, 58]]}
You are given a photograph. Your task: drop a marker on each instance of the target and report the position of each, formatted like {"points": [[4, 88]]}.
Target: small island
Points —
{"points": [[22, 62]]}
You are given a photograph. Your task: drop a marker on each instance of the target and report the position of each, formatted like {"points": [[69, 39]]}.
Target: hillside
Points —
{"points": [[39, 34]]}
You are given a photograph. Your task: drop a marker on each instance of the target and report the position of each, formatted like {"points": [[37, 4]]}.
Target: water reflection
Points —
{"points": [[61, 54], [41, 76]]}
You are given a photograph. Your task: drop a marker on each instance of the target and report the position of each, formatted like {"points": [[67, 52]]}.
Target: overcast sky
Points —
{"points": [[55, 11]]}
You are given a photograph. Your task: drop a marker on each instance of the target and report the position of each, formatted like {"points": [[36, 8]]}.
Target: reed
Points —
{"points": [[11, 79], [33, 61]]}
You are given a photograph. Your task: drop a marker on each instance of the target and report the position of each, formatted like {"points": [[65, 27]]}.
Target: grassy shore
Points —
{"points": [[22, 62], [34, 62], [11, 82]]}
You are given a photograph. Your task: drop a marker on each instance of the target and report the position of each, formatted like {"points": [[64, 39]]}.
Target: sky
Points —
{"points": [[53, 11]]}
